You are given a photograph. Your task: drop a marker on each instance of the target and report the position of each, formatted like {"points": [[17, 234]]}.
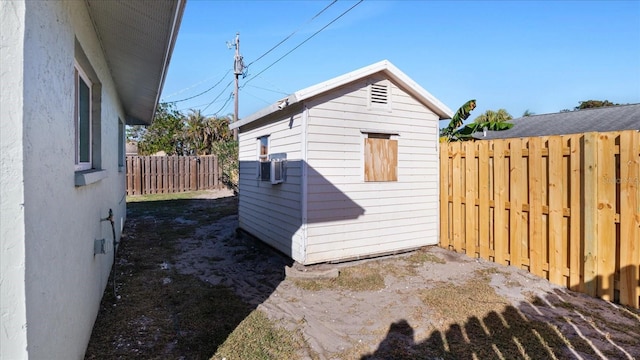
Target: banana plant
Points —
{"points": [[491, 120], [448, 133]]}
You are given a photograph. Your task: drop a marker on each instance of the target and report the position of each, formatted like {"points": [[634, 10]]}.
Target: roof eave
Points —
{"points": [[138, 60], [385, 66]]}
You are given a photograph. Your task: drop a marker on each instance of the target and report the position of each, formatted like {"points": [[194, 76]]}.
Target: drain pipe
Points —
{"points": [[115, 244]]}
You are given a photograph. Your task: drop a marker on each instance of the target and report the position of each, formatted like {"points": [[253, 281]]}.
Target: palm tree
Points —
{"points": [[494, 116], [194, 132]]}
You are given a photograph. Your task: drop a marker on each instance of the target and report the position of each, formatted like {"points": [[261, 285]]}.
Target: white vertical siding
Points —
{"points": [[348, 217], [273, 212]]}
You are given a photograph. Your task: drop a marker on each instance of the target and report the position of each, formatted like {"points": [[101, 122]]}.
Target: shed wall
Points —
{"points": [[273, 213], [392, 216]]}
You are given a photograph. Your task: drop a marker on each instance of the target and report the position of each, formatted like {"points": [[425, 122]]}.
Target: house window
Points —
{"points": [[264, 169], [121, 145], [83, 120], [380, 157]]}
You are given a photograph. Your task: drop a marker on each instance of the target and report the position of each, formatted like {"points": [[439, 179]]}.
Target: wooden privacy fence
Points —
{"points": [[566, 208], [170, 174]]}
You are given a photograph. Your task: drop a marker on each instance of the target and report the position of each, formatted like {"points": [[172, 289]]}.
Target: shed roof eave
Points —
{"points": [[383, 66]]}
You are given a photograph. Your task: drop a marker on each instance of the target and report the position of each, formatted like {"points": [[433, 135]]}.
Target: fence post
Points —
{"points": [[630, 218], [576, 205], [555, 248], [137, 177], [606, 205], [193, 172], [590, 196], [444, 196], [535, 207], [471, 176], [500, 236], [515, 201]]}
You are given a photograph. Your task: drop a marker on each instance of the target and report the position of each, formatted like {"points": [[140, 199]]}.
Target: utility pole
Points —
{"points": [[238, 67]]}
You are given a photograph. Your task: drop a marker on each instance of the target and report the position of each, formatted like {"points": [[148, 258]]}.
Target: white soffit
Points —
{"points": [[137, 38]]}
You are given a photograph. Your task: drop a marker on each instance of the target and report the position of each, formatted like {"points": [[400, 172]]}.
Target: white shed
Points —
{"points": [[345, 169]]}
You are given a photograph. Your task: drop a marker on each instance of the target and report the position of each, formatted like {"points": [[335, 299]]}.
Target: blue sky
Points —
{"points": [[542, 56]]}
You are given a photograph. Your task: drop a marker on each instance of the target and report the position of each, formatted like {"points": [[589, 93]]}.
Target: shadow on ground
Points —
{"points": [[554, 327], [168, 304]]}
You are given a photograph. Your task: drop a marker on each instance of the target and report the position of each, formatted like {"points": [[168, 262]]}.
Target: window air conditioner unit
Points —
{"points": [[277, 171]]}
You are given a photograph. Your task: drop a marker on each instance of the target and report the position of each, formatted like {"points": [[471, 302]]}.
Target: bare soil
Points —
{"points": [[426, 304]]}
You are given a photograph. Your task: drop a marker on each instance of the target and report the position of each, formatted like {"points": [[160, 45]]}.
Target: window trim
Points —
{"points": [[263, 158], [387, 137], [80, 74], [122, 151]]}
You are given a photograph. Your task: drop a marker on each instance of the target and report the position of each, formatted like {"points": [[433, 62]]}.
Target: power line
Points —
{"points": [[216, 98], [204, 92], [307, 39], [293, 33], [271, 90], [189, 87], [223, 105]]}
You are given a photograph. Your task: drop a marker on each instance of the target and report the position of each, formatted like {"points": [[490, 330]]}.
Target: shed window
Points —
{"points": [[264, 169], [380, 158]]}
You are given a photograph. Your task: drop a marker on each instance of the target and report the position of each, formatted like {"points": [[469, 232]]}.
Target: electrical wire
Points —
{"points": [[189, 87], [223, 106], [216, 98], [204, 92], [307, 39], [293, 33], [271, 90]]}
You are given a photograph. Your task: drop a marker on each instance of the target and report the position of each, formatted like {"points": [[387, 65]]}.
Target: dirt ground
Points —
{"points": [[432, 303]]}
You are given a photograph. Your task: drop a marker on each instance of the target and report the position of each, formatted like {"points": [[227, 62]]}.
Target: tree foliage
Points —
{"points": [[174, 133], [491, 120], [164, 133], [589, 104], [491, 116]]}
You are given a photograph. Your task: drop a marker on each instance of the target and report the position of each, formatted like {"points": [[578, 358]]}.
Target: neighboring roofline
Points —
{"points": [[384, 66], [626, 122]]}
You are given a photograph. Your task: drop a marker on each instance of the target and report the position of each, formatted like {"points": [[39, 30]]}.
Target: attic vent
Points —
{"points": [[379, 94]]}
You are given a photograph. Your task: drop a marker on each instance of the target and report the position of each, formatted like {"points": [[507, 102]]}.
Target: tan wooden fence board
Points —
{"points": [[170, 174], [567, 208]]}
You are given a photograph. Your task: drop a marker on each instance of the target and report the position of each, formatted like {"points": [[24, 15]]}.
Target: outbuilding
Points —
{"points": [[344, 169]]}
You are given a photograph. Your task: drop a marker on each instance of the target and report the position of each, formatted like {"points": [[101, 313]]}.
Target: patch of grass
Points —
{"points": [[365, 277], [257, 337], [161, 314], [420, 257], [164, 197]]}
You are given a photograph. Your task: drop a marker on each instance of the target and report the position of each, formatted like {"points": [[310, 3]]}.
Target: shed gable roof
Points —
{"points": [[137, 38], [384, 67], [614, 118]]}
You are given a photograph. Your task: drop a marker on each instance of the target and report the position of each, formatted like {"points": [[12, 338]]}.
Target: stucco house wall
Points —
{"points": [[51, 214], [325, 210]]}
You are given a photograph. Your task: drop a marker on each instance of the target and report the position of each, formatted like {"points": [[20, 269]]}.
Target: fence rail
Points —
{"points": [[566, 208], [170, 174]]}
